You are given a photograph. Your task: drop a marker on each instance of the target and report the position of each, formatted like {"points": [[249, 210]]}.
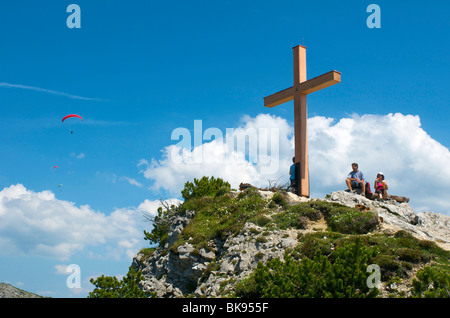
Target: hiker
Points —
{"points": [[292, 174], [355, 179], [380, 186]]}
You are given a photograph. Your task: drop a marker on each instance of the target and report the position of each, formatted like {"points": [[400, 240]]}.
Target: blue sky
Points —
{"points": [[138, 70]]}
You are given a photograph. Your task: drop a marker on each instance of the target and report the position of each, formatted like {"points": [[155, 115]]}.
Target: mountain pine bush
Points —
{"points": [[205, 187], [432, 282], [111, 287], [342, 274]]}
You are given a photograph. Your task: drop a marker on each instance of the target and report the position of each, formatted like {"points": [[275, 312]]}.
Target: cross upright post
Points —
{"points": [[298, 92]]}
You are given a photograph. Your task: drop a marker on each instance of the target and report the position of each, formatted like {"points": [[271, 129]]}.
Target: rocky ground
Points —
{"points": [[9, 291], [400, 216], [213, 271]]}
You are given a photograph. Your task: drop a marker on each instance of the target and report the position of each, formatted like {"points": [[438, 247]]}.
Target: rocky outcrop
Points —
{"points": [[213, 270], [176, 273], [400, 216], [9, 291]]}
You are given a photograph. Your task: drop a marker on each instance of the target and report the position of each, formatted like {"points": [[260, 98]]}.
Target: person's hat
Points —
{"points": [[381, 173]]}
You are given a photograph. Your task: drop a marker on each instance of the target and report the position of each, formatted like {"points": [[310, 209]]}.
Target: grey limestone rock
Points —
{"points": [[213, 270]]}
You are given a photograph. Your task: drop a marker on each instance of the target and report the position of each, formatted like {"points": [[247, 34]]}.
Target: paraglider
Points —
{"points": [[55, 167], [72, 116]]}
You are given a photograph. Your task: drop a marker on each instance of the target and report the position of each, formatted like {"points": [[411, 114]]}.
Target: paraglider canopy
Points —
{"points": [[70, 116]]}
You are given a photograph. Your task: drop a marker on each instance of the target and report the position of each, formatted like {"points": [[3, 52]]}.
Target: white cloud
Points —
{"points": [[150, 207], [415, 165], [37, 223], [79, 156], [249, 153], [48, 91], [133, 181], [61, 269], [142, 162]]}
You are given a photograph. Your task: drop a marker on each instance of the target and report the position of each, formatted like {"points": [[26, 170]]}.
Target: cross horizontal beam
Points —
{"points": [[307, 87]]}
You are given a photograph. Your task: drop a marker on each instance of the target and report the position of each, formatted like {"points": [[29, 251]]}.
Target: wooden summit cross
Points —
{"points": [[298, 92]]}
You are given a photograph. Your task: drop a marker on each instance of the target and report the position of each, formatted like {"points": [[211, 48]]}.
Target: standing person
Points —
{"points": [[380, 186], [355, 179], [292, 176]]}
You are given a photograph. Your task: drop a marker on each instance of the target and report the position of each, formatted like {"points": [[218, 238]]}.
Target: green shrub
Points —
{"points": [[147, 252], [432, 282], [388, 265], [307, 210], [412, 255], [205, 187], [278, 199], [352, 221], [223, 216], [261, 220], [287, 219], [296, 216], [261, 239], [313, 244], [341, 276], [339, 218], [111, 287], [161, 226], [197, 195], [397, 254], [404, 234]]}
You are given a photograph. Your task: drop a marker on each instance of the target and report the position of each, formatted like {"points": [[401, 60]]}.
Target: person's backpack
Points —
{"points": [[368, 191]]}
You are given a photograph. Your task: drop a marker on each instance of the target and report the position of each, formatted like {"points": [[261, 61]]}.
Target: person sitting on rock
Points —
{"points": [[355, 179], [380, 186]]}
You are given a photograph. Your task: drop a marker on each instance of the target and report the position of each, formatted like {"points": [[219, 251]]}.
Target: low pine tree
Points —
{"points": [[111, 287]]}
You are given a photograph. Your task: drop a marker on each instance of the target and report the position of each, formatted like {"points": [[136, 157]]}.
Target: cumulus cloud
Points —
{"points": [[37, 223], [415, 165], [248, 153], [150, 207], [61, 269]]}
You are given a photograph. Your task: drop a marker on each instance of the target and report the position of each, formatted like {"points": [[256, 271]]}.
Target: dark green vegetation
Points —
{"points": [[339, 218], [325, 263], [111, 287], [340, 274], [205, 187], [432, 282], [330, 264], [219, 213]]}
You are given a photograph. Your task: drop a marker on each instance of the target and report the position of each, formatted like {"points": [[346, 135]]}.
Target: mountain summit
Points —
{"points": [[245, 243]]}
